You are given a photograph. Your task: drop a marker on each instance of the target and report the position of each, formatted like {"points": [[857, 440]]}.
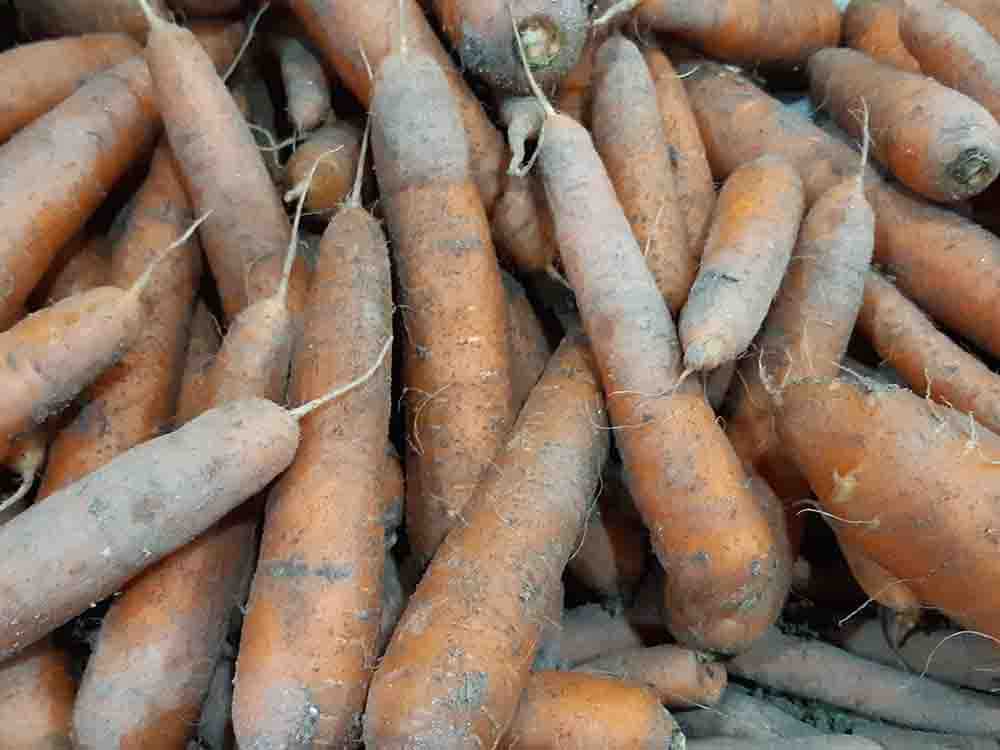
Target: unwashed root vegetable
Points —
{"points": [[306, 88], [332, 180], [68, 17], [872, 27]]}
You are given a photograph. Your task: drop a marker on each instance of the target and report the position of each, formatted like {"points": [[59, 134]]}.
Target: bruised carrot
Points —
{"points": [[629, 135], [462, 653], [779, 33], [307, 92], [949, 265], [530, 350], [680, 678], [334, 176], [872, 27], [749, 246], [456, 366], [36, 699], [954, 48], [68, 17], [245, 237], [480, 31], [692, 176], [715, 598], [36, 77], [588, 712], [937, 141], [72, 156], [303, 679]]}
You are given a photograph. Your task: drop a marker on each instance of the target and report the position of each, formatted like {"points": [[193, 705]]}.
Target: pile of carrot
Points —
{"points": [[524, 374]]}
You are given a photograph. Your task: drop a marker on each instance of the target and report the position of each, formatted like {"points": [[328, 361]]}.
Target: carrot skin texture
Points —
{"points": [[306, 89], [451, 294], [194, 395], [530, 349], [617, 714], [73, 155], [87, 269], [629, 135], [683, 474], [746, 255], [69, 17], [872, 27], [475, 633], [937, 141], [36, 77], [946, 263], [80, 546], [521, 225], [777, 33], [334, 176], [984, 11], [310, 634], [36, 698]]}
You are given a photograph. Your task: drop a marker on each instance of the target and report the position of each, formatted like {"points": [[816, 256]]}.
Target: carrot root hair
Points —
{"points": [[251, 28], [143, 281], [310, 406]]}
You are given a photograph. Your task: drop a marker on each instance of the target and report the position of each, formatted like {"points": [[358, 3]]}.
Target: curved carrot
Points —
{"points": [[87, 268], [872, 27]]}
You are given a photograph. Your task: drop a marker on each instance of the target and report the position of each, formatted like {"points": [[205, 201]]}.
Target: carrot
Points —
{"points": [[807, 329], [937, 141], [680, 678], [817, 670], [245, 237], [521, 225], [481, 33], [462, 653], [715, 599], [394, 599], [221, 38], [872, 27], [335, 175], [215, 730], [781, 33], [307, 91], [530, 349], [946, 263], [523, 119], [692, 176], [393, 493], [548, 655], [207, 7], [878, 583], [203, 344], [72, 155], [749, 245], [68, 17], [893, 738], [716, 384], [955, 49], [36, 77], [588, 712], [820, 742], [629, 135], [456, 366], [88, 267], [984, 11], [575, 93], [36, 699], [342, 30], [744, 715]]}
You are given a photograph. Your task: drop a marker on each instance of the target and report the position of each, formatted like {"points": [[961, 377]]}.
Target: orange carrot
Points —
{"points": [[872, 27], [203, 344], [306, 89], [36, 699], [984, 11], [86, 268], [522, 226], [530, 350], [334, 176], [68, 17]]}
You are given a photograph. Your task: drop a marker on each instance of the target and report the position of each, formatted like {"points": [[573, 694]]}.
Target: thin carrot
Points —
{"points": [[872, 27]]}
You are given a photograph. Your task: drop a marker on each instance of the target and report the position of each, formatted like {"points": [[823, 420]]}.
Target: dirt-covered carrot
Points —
{"points": [[89, 267], [715, 599], [36, 699], [680, 678], [522, 226], [194, 396], [307, 91], [813, 669], [630, 138], [575, 91], [741, 714], [777, 33], [456, 368], [984, 11], [530, 349], [474, 634], [334, 176], [949, 265], [692, 176], [36, 77], [872, 27], [247, 233], [936, 141], [749, 245], [589, 712], [69, 17], [807, 329], [71, 157], [879, 584], [927, 511], [954, 48]]}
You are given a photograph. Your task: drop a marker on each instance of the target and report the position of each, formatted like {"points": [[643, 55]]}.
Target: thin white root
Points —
{"points": [[27, 482], [310, 406], [246, 41], [143, 280]]}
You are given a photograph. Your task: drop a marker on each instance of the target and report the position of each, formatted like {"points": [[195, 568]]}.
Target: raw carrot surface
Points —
{"points": [[872, 27]]}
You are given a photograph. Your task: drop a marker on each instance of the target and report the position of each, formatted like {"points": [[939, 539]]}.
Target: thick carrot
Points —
{"points": [[462, 653], [36, 77], [927, 511], [807, 329], [530, 349], [749, 245], [247, 233], [36, 699], [954, 48], [334, 176], [72, 156], [553, 32], [342, 30], [303, 679], [692, 176], [688, 489], [935, 140], [68, 17], [588, 712], [307, 92], [813, 669], [872, 27], [630, 138], [456, 367], [778, 33], [984, 11], [945, 262], [878, 583], [680, 678]]}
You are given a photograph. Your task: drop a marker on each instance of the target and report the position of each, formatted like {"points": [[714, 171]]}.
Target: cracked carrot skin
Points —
{"points": [[456, 366], [462, 652]]}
